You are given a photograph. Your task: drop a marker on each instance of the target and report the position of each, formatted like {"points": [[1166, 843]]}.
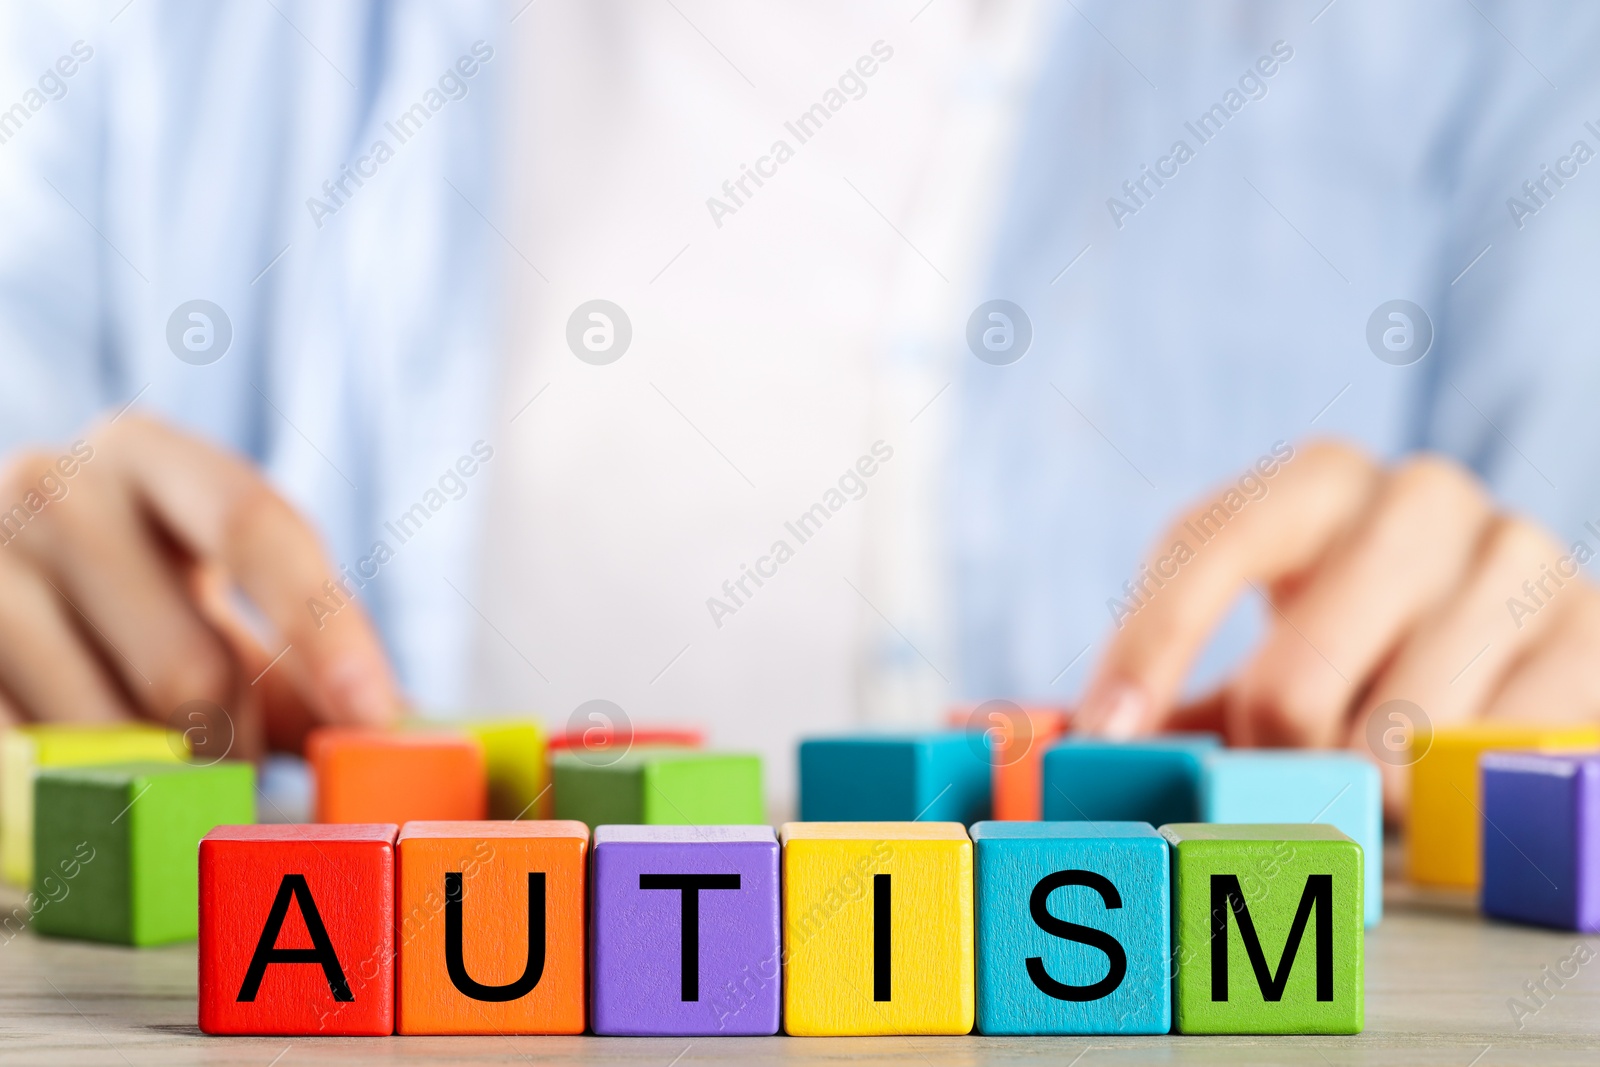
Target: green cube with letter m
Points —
{"points": [[1267, 929]]}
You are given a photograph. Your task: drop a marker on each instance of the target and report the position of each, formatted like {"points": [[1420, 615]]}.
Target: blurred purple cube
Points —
{"points": [[1541, 838]]}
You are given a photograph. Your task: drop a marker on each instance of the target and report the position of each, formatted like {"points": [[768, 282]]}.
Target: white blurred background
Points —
{"points": [[768, 354]]}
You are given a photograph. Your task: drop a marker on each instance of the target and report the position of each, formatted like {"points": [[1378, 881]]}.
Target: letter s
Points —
{"points": [[1084, 935], [1282, 50]]}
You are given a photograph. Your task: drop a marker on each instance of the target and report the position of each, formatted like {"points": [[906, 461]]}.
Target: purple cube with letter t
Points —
{"points": [[685, 936], [1541, 838]]}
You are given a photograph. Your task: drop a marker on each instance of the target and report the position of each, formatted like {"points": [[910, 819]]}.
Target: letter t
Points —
{"points": [[690, 885]]}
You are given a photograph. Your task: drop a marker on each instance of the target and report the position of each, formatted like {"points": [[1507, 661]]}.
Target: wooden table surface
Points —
{"points": [[1439, 977]]}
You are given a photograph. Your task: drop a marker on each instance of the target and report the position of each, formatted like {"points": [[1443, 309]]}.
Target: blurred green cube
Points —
{"points": [[116, 847], [658, 786]]}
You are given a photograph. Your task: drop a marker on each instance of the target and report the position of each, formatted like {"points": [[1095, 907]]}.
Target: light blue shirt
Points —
{"points": [[1229, 310], [191, 156], [1180, 327]]}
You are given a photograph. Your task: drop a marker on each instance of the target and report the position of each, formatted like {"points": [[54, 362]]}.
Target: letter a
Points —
{"points": [[321, 950]]}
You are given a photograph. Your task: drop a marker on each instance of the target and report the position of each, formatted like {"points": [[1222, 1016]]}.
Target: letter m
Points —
{"points": [[1226, 896]]}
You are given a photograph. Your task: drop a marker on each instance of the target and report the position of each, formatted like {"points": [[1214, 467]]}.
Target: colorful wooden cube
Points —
{"points": [[517, 766], [1072, 928], [1017, 792], [1156, 780], [516, 761], [607, 739], [1541, 839], [877, 928], [297, 930], [1283, 786], [491, 927], [26, 749], [373, 776], [1267, 929], [937, 777], [685, 933], [604, 741], [131, 830], [1018, 738], [1443, 835], [659, 786]]}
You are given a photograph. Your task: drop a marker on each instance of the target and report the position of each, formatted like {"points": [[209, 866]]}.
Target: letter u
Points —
{"points": [[457, 967]]}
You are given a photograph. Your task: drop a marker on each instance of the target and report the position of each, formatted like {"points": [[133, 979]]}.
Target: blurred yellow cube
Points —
{"points": [[519, 776], [25, 749], [1444, 842]]}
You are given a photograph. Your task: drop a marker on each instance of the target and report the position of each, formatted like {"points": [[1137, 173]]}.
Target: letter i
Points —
{"points": [[881, 937]]}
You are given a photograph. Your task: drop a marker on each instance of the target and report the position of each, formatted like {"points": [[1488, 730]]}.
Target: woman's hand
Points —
{"points": [[1397, 583], [121, 557]]}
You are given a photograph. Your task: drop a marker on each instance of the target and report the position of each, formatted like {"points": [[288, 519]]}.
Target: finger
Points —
{"points": [[268, 711], [222, 511], [1452, 663], [50, 671], [104, 560], [240, 731], [1202, 563], [1325, 642], [1558, 680], [275, 712]]}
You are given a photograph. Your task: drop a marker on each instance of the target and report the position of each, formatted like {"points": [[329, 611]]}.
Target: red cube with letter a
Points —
{"points": [[297, 930]]}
